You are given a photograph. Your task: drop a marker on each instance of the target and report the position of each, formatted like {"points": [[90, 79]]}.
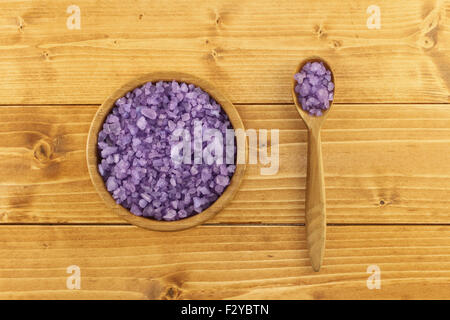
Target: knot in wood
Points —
{"points": [[43, 151], [172, 293]]}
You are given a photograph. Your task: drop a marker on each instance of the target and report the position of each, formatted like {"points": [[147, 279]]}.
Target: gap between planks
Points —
{"points": [[235, 224], [236, 104]]}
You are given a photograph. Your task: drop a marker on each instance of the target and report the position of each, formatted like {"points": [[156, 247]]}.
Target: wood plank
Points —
{"points": [[249, 49], [118, 262], [383, 164]]}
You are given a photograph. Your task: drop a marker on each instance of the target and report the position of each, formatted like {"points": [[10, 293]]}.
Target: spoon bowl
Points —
{"points": [[311, 121], [315, 204]]}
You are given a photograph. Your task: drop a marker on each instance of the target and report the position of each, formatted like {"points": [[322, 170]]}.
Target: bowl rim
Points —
{"points": [[149, 223]]}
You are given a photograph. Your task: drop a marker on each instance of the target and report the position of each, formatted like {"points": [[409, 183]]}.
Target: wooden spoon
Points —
{"points": [[315, 208]]}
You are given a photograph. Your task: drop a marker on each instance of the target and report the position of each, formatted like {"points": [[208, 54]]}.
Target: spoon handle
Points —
{"points": [[315, 201]]}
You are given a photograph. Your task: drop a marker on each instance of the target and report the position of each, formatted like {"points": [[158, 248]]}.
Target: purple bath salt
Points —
{"points": [[135, 147], [314, 88]]}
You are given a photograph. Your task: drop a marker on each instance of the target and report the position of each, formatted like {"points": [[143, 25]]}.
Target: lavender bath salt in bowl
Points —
{"points": [[146, 161]]}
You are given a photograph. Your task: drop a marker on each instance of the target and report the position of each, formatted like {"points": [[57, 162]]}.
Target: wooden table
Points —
{"points": [[386, 148]]}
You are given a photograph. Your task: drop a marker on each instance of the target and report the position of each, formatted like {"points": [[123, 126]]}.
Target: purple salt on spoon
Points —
{"points": [[313, 93]]}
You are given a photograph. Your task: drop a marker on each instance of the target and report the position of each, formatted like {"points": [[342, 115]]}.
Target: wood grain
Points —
{"points": [[383, 164], [248, 48], [315, 200], [119, 262]]}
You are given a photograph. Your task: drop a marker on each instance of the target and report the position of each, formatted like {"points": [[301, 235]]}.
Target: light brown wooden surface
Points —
{"points": [[223, 262], [386, 149], [383, 164], [248, 48]]}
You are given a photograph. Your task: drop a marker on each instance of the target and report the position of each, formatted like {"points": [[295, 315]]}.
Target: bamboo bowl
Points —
{"points": [[92, 154]]}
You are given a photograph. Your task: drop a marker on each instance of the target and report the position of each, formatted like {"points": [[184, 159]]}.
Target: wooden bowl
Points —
{"points": [[149, 223]]}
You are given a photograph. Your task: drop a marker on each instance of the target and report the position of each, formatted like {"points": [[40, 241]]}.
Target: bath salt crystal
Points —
{"points": [[222, 180], [135, 151], [141, 123], [149, 113]]}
